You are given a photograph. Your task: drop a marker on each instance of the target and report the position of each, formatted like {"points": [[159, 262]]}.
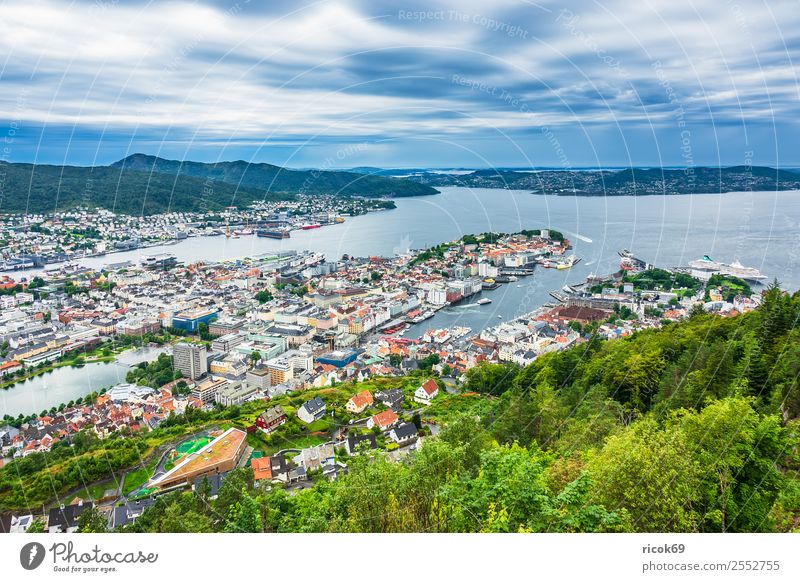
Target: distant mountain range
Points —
{"points": [[624, 182], [142, 184]]}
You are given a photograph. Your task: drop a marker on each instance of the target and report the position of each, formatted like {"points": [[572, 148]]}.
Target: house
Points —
{"points": [[404, 434], [427, 392], [271, 419], [21, 523], [354, 442], [311, 410], [262, 468], [269, 469], [391, 398], [214, 483], [359, 402], [332, 470], [383, 420], [313, 458], [64, 519], [129, 512]]}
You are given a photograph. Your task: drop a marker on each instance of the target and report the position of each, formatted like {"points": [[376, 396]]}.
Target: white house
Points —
{"points": [[427, 392]]}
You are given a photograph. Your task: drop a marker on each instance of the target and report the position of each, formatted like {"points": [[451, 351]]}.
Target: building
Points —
{"points": [[314, 458], [359, 402], [311, 410], [64, 519], [206, 391], [191, 360], [354, 442], [259, 378], [284, 367], [262, 468], [234, 393], [427, 392], [225, 326], [227, 342], [274, 468], [404, 434], [190, 320], [338, 358], [392, 398], [219, 456], [129, 512], [383, 420], [271, 419]]}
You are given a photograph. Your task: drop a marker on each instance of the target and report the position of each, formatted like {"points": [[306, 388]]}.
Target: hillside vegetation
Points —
{"points": [[145, 185]]}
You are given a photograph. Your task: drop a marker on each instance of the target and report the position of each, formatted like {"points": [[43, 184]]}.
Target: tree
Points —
{"points": [[92, 521], [650, 473], [255, 356], [263, 297], [488, 378], [37, 526], [244, 516]]}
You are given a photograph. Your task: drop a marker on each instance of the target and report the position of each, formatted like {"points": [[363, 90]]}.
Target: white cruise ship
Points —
{"points": [[705, 267]]}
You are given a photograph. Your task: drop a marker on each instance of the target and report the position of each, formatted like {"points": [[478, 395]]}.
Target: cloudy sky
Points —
{"points": [[402, 84]]}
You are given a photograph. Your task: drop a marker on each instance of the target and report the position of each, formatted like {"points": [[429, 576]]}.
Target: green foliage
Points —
{"points": [[263, 296], [144, 185], [154, 374], [92, 521]]}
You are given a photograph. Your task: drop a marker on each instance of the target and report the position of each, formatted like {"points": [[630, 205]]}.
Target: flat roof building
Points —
{"points": [[219, 456]]}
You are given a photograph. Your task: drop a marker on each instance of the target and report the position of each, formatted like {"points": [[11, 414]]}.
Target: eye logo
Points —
{"points": [[31, 555]]}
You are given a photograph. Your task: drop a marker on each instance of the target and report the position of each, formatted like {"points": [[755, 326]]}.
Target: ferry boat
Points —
{"points": [[426, 315], [310, 226], [571, 261], [273, 233], [705, 267]]}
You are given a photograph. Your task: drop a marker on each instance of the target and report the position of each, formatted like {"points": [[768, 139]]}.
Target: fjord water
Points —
{"points": [[758, 228]]}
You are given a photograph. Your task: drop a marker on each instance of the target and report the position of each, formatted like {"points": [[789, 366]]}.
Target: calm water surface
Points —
{"points": [[65, 384]]}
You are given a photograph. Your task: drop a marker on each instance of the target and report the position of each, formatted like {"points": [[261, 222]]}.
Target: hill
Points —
{"points": [[144, 185], [627, 182], [277, 179]]}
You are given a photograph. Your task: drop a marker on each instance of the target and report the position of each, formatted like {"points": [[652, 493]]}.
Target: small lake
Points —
{"points": [[67, 383]]}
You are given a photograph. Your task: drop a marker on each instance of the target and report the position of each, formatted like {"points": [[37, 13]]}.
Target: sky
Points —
{"points": [[339, 84]]}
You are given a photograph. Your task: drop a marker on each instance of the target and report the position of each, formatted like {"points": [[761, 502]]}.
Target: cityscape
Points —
{"points": [[346, 268]]}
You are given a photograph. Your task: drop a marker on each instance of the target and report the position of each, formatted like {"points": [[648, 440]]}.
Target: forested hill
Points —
{"points": [[627, 182], [147, 185], [277, 179]]}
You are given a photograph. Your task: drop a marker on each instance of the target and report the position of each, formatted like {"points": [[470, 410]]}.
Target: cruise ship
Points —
{"points": [[705, 267]]}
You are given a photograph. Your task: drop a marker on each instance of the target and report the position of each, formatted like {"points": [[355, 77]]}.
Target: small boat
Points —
{"points": [[310, 226], [484, 301], [569, 263]]}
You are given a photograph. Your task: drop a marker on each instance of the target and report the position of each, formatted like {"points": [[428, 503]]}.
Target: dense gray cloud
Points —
{"points": [[418, 83]]}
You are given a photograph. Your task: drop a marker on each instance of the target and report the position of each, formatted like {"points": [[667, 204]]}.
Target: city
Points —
{"points": [[273, 333]]}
